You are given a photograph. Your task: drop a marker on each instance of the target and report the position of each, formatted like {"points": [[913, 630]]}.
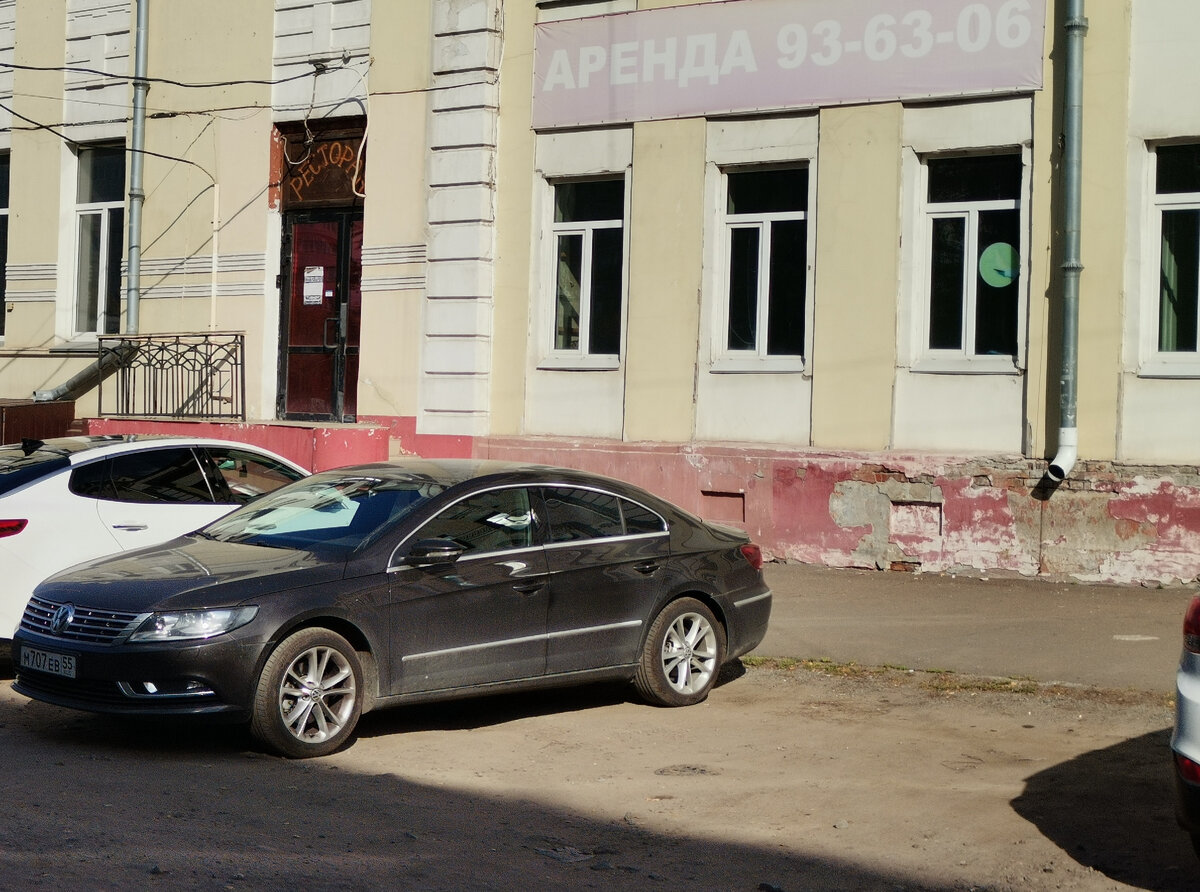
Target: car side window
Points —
{"points": [[577, 514], [159, 475], [248, 474], [497, 520]]}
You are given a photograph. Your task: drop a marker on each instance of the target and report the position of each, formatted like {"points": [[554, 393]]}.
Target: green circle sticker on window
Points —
{"points": [[998, 264]]}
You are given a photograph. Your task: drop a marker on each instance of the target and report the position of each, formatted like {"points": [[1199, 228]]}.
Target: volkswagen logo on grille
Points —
{"points": [[62, 618]]}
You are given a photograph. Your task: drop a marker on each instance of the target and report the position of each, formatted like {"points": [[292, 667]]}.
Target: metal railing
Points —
{"points": [[175, 376]]}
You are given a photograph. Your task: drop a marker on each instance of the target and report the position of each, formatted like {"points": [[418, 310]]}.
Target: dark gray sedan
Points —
{"points": [[394, 583]]}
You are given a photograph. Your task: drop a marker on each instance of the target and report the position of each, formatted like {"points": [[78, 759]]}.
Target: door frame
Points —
{"points": [[344, 217]]}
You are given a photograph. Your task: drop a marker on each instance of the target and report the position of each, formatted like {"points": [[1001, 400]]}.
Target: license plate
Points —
{"points": [[44, 661]]}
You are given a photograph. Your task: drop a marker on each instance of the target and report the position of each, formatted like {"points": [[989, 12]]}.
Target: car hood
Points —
{"points": [[188, 572]]}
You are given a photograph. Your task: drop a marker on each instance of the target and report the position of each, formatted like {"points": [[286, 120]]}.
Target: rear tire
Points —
{"points": [[309, 695], [684, 651]]}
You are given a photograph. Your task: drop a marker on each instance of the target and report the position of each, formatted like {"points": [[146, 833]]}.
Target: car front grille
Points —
{"points": [[89, 624]]}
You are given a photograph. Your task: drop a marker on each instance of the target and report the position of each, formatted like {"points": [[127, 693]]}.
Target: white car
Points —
{"points": [[67, 500]]}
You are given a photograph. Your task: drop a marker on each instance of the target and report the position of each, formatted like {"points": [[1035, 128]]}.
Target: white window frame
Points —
{"points": [[1159, 363], [103, 210], [964, 360], [758, 359], [580, 358], [100, 209]]}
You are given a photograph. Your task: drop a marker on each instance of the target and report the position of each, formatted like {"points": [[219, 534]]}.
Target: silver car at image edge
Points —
{"points": [[1185, 741], [394, 583]]}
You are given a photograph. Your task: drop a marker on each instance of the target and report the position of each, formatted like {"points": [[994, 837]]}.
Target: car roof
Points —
{"points": [[451, 472]]}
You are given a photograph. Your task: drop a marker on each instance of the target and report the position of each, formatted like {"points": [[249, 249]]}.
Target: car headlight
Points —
{"points": [[186, 625]]}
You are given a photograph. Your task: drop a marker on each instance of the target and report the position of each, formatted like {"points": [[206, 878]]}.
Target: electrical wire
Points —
{"points": [[129, 78]]}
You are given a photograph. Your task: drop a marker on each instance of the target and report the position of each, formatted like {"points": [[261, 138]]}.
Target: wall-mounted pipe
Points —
{"points": [[1072, 267], [137, 157]]}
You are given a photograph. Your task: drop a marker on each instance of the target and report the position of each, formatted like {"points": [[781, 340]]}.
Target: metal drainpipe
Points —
{"points": [[136, 162], [1068, 432]]}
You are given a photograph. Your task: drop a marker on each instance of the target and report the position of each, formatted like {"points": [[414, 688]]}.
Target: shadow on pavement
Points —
{"points": [[99, 802], [1113, 810]]}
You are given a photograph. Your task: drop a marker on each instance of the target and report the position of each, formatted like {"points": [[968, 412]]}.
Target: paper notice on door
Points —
{"points": [[314, 285]]}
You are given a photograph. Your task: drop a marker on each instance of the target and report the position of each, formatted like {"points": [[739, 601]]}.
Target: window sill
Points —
{"points": [[1183, 366], [961, 365], [772, 365], [577, 363]]}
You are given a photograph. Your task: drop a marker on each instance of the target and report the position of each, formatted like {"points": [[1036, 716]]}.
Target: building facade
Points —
{"points": [[797, 267]]}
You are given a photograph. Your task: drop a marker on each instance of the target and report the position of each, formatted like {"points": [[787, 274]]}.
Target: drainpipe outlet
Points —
{"points": [[1064, 461]]}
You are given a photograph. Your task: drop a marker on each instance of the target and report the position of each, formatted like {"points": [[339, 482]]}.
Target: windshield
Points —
{"points": [[339, 512]]}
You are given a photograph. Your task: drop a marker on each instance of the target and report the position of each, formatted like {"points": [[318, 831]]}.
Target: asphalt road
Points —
{"points": [[1120, 637]]}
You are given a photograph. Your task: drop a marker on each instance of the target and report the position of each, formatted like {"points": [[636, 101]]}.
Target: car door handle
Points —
{"points": [[646, 568], [131, 527], [526, 588]]}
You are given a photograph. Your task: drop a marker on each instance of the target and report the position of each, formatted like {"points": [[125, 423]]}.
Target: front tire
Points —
{"points": [[683, 653], [309, 695]]}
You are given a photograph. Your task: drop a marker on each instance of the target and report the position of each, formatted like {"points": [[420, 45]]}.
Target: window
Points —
{"points": [[1177, 197], [99, 219], [972, 256], [588, 237], [577, 514], [243, 475], [159, 475], [5, 160], [766, 258], [490, 521]]}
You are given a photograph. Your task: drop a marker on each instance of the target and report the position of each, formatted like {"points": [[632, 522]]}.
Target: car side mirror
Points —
{"points": [[432, 551]]}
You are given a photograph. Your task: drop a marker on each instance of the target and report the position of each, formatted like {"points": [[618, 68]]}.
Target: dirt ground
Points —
{"points": [[785, 779]]}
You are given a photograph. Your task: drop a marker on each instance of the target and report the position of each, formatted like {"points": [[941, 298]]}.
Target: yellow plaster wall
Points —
{"points": [[513, 224], [394, 213], [856, 267], [35, 178], [666, 239], [1101, 292]]}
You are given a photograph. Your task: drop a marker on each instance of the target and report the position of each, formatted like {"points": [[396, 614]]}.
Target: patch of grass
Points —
{"points": [[948, 682]]}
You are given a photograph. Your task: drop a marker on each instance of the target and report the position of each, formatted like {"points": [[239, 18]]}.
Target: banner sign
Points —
{"points": [[767, 55]]}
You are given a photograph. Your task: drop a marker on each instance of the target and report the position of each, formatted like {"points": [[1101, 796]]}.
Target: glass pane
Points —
{"points": [[112, 277], [996, 289], [768, 191], [789, 269], [978, 178], [743, 288], [567, 292], [947, 269], [3, 267], [604, 339], [93, 480], [575, 514], [639, 520], [5, 167], [248, 474], [87, 277], [101, 174], [1178, 169], [490, 521], [596, 200], [163, 475], [1178, 281]]}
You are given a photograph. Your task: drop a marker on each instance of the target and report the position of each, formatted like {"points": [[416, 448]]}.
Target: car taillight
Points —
{"points": [[11, 527], [1188, 769], [1191, 626], [753, 555]]}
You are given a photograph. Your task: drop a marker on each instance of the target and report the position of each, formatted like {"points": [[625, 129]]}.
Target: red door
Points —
{"points": [[321, 315]]}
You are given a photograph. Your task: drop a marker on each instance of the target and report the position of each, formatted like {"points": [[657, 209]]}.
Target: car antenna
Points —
{"points": [[30, 445]]}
